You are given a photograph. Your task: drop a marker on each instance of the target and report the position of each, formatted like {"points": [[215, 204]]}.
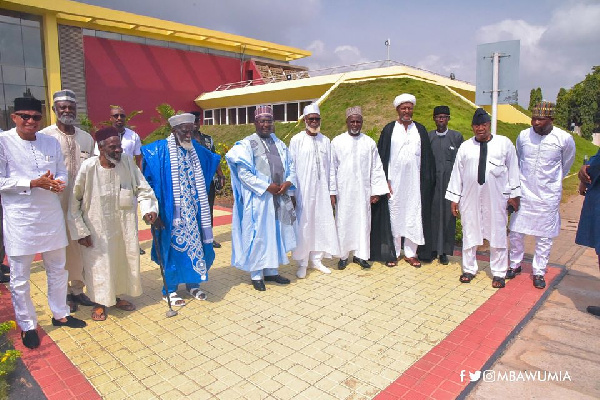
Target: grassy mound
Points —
{"points": [[376, 97]]}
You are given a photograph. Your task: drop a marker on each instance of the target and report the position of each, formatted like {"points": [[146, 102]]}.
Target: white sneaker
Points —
{"points": [[320, 267], [301, 273]]}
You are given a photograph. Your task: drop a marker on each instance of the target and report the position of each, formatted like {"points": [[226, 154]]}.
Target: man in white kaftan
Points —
{"points": [[76, 146], [357, 180], [409, 165], [264, 220], [103, 218], [545, 154], [310, 152], [32, 173], [484, 181]]}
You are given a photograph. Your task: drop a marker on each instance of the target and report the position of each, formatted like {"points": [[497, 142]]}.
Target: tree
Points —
{"points": [[535, 96], [165, 111], [561, 114]]}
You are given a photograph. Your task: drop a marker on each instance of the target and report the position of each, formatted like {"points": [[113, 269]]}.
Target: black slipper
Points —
{"points": [[30, 339]]}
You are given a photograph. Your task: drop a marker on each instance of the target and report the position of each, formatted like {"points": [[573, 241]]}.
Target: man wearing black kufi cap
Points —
{"points": [[484, 182], [32, 174], [444, 143], [103, 219]]}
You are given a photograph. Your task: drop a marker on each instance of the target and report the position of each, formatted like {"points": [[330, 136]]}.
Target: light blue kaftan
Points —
{"points": [[263, 225]]}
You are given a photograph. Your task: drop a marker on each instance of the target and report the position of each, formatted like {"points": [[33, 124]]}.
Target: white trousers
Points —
{"points": [[541, 256], [259, 274], [313, 256], [20, 270], [498, 261], [410, 248]]}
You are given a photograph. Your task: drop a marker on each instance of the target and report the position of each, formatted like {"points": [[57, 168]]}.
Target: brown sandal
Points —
{"points": [[99, 313], [413, 261], [124, 305]]}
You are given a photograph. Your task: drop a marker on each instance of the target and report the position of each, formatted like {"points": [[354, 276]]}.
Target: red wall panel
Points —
{"points": [[140, 77]]}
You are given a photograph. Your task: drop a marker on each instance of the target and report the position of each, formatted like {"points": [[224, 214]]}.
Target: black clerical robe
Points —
{"points": [[443, 223], [382, 240]]}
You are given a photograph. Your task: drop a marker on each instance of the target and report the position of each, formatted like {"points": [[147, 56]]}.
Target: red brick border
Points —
{"points": [[437, 375], [58, 378]]}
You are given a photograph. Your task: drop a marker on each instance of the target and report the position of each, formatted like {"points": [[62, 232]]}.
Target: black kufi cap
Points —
{"points": [[480, 117], [28, 104], [441, 110]]}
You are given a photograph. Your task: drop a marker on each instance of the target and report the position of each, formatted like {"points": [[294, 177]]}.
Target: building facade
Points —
{"points": [[110, 57]]}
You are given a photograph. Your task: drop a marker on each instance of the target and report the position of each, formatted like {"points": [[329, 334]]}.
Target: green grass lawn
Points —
{"points": [[376, 98]]}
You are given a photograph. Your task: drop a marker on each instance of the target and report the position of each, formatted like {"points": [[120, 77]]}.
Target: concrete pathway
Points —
{"points": [[355, 334], [561, 337]]}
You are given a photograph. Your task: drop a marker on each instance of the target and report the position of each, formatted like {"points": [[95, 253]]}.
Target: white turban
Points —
{"points": [[179, 119], [312, 108], [405, 98]]}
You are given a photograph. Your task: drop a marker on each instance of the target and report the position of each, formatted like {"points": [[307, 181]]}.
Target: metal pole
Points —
{"points": [[387, 45], [495, 61]]}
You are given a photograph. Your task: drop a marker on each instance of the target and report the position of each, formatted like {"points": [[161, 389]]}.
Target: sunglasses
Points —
{"points": [[313, 119], [27, 117], [117, 116]]}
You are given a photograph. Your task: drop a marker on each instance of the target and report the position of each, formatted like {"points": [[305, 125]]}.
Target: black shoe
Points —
{"points": [[594, 310], [216, 244], [342, 264], [361, 262], [71, 303], [277, 279], [259, 285], [30, 339], [444, 259], [142, 251], [4, 269], [71, 322], [539, 282], [4, 278], [82, 299], [512, 272]]}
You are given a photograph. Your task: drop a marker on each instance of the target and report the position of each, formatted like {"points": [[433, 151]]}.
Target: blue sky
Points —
{"points": [[560, 40]]}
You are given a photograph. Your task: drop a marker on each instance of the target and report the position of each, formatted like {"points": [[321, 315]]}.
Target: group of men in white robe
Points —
{"points": [[491, 179], [319, 175]]}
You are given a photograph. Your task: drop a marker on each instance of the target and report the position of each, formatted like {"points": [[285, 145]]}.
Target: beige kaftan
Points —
{"points": [[103, 206], [76, 149]]}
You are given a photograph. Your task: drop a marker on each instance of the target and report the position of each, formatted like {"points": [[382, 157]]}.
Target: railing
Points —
{"points": [[292, 75]]}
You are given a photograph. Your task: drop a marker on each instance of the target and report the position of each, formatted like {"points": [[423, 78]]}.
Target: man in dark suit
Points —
{"points": [[445, 144]]}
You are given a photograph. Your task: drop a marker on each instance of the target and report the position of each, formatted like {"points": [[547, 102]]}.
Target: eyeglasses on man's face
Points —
{"points": [[27, 117], [117, 116]]}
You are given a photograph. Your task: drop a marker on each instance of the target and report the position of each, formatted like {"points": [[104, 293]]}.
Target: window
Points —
{"points": [[21, 62], [208, 117], [241, 114], [279, 112], [292, 112]]}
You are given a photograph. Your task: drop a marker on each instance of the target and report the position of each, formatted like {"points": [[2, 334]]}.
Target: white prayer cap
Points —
{"points": [[185, 118], [405, 98], [312, 108], [64, 95]]}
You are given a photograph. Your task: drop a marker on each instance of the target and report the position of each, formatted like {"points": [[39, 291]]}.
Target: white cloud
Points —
{"points": [[322, 57], [557, 54]]}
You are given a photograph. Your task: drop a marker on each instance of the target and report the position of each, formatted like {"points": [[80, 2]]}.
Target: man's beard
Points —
{"points": [[313, 130], [112, 160], [66, 119], [354, 131], [186, 145]]}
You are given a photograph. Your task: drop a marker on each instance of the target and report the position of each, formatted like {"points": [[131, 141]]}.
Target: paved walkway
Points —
{"points": [[386, 332], [561, 337]]}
